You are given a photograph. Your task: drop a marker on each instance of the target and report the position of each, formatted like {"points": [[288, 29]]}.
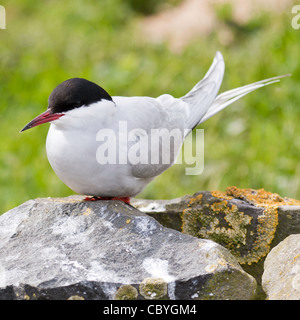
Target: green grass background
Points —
{"points": [[47, 42]]}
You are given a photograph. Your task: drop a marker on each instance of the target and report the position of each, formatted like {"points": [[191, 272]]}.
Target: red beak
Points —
{"points": [[46, 116]]}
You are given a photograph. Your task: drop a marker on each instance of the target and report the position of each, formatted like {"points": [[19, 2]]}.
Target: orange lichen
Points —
{"points": [[221, 195], [296, 257], [219, 206], [260, 197], [197, 199]]}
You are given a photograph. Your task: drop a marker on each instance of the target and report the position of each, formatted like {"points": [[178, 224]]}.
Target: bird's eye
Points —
{"points": [[77, 104]]}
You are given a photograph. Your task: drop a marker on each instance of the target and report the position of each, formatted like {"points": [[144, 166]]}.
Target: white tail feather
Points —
{"points": [[201, 97], [226, 98]]}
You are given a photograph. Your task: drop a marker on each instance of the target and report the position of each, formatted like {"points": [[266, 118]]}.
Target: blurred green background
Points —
{"points": [[254, 143]]}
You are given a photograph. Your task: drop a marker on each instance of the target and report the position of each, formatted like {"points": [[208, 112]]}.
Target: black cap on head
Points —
{"points": [[74, 93]]}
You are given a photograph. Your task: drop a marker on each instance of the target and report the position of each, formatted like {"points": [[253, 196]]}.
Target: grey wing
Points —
{"points": [[172, 119], [156, 131]]}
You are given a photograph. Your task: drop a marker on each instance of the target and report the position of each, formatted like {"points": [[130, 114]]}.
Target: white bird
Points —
{"points": [[100, 145]]}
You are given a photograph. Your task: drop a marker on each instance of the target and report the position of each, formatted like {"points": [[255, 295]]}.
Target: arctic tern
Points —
{"points": [[79, 109]]}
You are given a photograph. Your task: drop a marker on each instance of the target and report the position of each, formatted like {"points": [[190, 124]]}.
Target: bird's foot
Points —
{"points": [[124, 199]]}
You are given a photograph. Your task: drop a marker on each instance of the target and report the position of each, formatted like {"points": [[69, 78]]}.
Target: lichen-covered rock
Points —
{"points": [[126, 292], [242, 220], [72, 249], [248, 222], [281, 277], [154, 288]]}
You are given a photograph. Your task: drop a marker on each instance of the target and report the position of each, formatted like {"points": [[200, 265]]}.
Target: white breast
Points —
{"points": [[72, 153]]}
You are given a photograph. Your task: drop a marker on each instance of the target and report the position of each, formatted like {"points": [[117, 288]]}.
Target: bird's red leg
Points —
{"points": [[96, 198], [124, 199]]}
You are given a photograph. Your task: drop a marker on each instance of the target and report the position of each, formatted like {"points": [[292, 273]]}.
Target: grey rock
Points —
{"points": [[281, 277], [288, 223], [68, 248], [166, 212]]}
